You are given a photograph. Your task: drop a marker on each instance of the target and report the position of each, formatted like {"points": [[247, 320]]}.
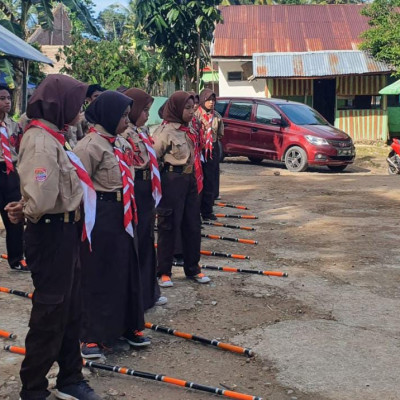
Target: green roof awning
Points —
{"points": [[393, 88]]}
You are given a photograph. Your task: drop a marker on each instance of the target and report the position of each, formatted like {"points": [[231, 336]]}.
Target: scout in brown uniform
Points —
{"points": [[179, 206], [111, 284], [213, 128], [147, 193], [10, 134], [53, 193]]}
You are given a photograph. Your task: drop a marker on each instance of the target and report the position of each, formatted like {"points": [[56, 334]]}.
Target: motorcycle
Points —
{"points": [[393, 159]]}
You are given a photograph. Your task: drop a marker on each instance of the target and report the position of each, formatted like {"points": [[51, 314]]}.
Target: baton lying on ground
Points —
{"points": [[16, 292], [239, 270], [231, 206], [216, 237], [244, 228], [213, 342], [155, 377], [7, 335], [218, 254], [236, 216]]}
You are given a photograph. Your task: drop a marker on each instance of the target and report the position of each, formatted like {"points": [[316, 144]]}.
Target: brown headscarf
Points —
{"points": [[141, 99], [205, 95], [57, 99], [196, 96], [175, 105], [107, 110]]}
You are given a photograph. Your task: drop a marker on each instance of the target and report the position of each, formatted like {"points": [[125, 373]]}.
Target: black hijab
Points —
{"points": [[107, 110]]}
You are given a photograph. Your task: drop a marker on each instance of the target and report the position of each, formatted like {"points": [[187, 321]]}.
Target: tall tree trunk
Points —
{"points": [[198, 60]]}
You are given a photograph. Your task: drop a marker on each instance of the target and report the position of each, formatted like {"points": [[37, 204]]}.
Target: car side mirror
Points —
{"points": [[279, 121]]}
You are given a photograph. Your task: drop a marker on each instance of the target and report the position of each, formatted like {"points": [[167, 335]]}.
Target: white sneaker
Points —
{"points": [[165, 281], [161, 301], [200, 278]]}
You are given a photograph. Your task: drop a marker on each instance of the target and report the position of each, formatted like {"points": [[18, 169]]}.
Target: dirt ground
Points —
{"points": [[330, 331]]}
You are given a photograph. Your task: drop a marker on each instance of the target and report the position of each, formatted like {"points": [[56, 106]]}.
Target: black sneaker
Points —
{"points": [[91, 350], [22, 266], [209, 217], [77, 391], [136, 339]]}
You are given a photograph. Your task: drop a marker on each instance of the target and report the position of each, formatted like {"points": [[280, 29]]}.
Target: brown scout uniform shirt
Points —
{"points": [[172, 145], [97, 155], [13, 129], [217, 125], [49, 183], [133, 134]]}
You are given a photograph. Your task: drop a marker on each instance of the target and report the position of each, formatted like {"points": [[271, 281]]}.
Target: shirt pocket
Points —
{"points": [[69, 182], [111, 172], [179, 148]]}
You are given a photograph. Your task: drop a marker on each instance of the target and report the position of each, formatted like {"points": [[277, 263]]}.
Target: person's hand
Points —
{"points": [[15, 211]]}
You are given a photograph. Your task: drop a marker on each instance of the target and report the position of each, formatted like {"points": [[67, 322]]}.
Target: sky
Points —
{"points": [[102, 4]]}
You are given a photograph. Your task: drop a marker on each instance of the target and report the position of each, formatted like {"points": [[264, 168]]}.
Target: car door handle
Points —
{"points": [[254, 129]]}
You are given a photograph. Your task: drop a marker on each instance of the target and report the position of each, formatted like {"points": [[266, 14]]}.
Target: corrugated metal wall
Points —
{"points": [[363, 124], [360, 85]]}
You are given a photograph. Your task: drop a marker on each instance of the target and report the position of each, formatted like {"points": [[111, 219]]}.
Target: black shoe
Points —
{"points": [[136, 339], [20, 267], [209, 217], [77, 391], [91, 350]]}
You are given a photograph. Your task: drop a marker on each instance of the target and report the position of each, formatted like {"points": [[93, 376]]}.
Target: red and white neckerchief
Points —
{"points": [[208, 146], [198, 170], [128, 186], [89, 193], [5, 147], [154, 170]]}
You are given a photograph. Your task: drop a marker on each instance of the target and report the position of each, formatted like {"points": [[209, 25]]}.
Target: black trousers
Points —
{"points": [[210, 182], [145, 236], [9, 191], [52, 251], [178, 214]]}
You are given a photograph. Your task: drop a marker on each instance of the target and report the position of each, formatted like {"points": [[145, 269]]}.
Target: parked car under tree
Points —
{"points": [[282, 130]]}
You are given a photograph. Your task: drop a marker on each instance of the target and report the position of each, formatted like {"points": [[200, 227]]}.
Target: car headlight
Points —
{"points": [[316, 141]]}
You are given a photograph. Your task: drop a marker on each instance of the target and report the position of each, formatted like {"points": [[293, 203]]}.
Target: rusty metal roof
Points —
{"points": [[287, 28], [313, 64]]}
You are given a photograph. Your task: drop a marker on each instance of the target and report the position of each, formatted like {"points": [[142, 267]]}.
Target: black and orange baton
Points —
{"points": [[218, 254], [217, 237], [212, 342], [226, 255], [16, 292], [243, 228], [236, 216], [161, 378], [15, 349], [231, 206], [7, 335], [238, 270]]}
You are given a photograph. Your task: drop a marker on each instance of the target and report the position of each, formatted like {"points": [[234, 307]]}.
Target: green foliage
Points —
{"points": [[108, 63], [113, 20], [382, 40], [174, 28]]}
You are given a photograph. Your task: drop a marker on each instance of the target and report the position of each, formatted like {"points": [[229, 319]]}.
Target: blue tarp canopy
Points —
{"points": [[12, 45]]}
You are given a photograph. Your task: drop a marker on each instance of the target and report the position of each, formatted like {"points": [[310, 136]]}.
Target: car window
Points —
{"points": [[220, 106], [240, 111], [302, 114], [265, 113]]}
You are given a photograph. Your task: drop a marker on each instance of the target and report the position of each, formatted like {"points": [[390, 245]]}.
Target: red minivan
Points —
{"points": [[282, 130]]}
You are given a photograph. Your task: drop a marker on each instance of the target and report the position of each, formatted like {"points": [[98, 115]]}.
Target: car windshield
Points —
{"points": [[302, 114]]}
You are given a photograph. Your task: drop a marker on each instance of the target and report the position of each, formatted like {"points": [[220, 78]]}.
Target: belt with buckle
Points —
{"points": [[142, 174], [109, 196], [180, 169], [68, 218]]}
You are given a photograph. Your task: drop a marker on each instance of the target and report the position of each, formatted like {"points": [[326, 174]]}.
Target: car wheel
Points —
{"points": [[255, 160], [391, 169], [337, 168], [296, 159], [221, 152]]}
